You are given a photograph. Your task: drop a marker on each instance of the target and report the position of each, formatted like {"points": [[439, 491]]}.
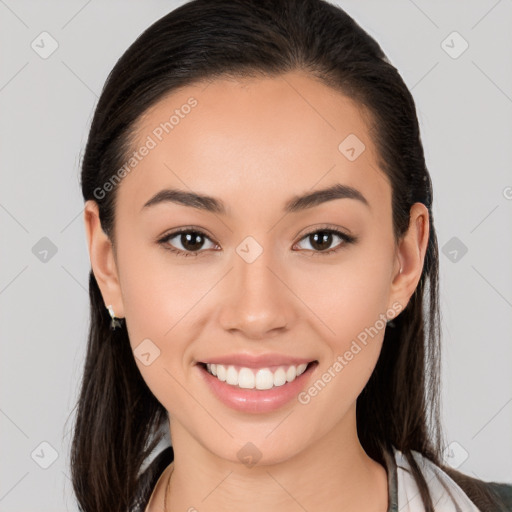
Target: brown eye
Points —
{"points": [[191, 242], [321, 240]]}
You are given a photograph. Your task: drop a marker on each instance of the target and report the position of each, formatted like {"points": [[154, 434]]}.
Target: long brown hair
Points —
{"points": [[118, 418]]}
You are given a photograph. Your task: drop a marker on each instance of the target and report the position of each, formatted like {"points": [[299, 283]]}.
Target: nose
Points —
{"points": [[257, 300]]}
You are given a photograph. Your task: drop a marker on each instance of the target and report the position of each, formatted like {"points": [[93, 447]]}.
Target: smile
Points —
{"points": [[258, 389], [254, 378]]}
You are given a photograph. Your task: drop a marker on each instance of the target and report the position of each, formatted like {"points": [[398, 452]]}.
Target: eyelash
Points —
{"points": [[347, 239]]}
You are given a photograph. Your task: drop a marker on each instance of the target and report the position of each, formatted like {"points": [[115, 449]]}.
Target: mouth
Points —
{"points": [[266, 390], [260, 379]]}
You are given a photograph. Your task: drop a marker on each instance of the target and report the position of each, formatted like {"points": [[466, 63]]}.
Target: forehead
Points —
{"points": [[263, 139]]}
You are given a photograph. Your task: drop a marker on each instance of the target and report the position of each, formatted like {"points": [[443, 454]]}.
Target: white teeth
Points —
{"points": [[291, 373], [232, 376], [248, 378], [221, 372], [264, 379], [245, 377], [280, 377], [301, 368]]}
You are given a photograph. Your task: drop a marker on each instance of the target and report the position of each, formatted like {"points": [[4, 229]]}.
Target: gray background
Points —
{"points": [[464, 106]]}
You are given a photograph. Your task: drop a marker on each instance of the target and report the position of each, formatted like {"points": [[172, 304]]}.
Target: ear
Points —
{"points": [[410, 256], [101, 254]]}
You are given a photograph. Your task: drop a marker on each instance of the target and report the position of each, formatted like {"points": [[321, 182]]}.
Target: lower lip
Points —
{"points": [[256, 400]]}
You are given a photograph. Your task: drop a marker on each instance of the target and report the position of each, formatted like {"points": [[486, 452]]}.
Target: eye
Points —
{"points": [[321, 239], [191, 241]]}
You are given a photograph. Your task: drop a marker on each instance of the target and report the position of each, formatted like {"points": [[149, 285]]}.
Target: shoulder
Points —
{"points": [[486, 496], [148, 479], [450, 489], [480, 491], [503, 491]]}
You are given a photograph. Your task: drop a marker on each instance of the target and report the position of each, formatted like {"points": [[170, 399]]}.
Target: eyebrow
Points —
{"points": [[295, 204]]}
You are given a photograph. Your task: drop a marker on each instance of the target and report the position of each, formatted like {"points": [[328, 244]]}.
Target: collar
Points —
{"points": [[391, 469], [404, 494]]}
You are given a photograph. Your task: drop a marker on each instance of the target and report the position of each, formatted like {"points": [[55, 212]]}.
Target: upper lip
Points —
{"points": [[257, 361]]}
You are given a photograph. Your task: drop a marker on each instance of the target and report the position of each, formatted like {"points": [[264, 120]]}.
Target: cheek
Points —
{"points": [[351, 300], [157, 291], [348, 296], [354, 323], [159, 298]]}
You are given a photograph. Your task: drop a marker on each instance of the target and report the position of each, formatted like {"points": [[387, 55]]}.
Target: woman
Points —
{"points": [[259, 223]]}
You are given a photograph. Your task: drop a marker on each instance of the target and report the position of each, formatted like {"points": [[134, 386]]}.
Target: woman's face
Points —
{"points": [[266, 277]]}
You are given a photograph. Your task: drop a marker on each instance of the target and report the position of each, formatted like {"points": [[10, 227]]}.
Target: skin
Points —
{"points": [[255, 143]]}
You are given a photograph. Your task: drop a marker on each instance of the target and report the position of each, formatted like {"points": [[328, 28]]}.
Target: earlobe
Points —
{"points": [[101, 254], [411, 252]]}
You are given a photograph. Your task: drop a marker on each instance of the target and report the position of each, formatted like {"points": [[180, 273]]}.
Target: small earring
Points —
{"points": [[400, 270], [114, 323], [390, 322]]}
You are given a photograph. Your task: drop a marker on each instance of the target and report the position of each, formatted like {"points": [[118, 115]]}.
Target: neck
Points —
{"points": [[333, 474]]}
